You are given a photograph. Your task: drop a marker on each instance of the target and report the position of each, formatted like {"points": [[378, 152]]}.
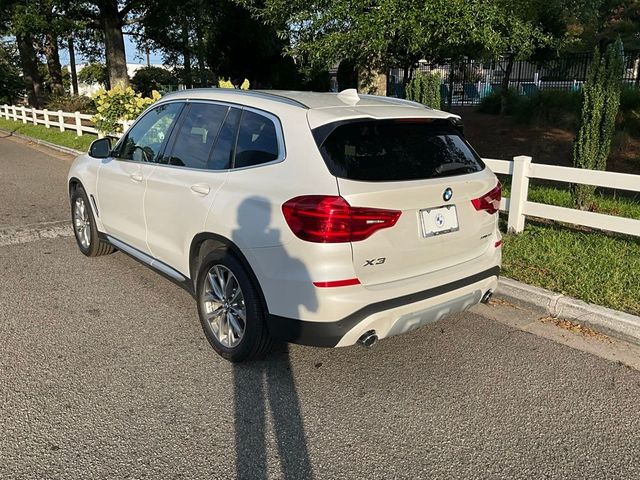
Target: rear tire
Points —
{"points": [[84, 226], [230, 309]]}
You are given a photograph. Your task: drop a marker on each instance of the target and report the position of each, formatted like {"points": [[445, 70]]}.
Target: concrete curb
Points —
{"points": [[59, 148], [611, 322]]}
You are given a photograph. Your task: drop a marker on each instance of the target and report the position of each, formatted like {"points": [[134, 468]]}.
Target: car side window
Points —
{"points": [[145, 139], [222, 154], [196, 135], [257, 140]]}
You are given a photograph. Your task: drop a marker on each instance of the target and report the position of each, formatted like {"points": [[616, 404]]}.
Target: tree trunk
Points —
{"points": [[186, 52], [72, 67], [504, 90], [114, 44], [32, 79], [52, 54], [201, 63]]}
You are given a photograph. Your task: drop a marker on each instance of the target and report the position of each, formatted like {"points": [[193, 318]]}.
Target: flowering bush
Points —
{"points": [[228, 84], [117, 105], [225, 84]]}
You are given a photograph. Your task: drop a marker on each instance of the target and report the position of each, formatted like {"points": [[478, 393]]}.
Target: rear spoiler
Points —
{"points": [[321, 133]]}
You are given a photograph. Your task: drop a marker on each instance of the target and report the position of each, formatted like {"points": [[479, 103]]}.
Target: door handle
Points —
{"points": [[136, 177], [201, 189]]}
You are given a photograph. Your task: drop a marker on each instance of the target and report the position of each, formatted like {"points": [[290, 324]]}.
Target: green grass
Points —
{"points": [[604, 203], [594, 267], [53, 135]]}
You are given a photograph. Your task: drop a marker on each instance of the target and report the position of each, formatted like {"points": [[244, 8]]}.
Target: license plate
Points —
{"points": [[437, 221]]}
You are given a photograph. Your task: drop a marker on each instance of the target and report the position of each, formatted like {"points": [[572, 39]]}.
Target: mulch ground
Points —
{"points": [[502, 138]]}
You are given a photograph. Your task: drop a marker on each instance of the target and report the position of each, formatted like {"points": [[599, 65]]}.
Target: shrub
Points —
{"points": [[72, 103], [602, 91], [491, 103], [630, 98], [222, 83], [119, 104], [148, 79], [550, 107], [93, 73], [424, 88]]}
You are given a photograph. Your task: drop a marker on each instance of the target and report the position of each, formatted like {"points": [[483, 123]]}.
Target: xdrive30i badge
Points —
{"points": [[447, 194]]}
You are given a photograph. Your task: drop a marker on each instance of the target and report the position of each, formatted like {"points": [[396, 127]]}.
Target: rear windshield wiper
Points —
{"points": [[453, 169]]}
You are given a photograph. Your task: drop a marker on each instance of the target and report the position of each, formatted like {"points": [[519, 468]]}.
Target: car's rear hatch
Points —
{"points": [[425, 170]]}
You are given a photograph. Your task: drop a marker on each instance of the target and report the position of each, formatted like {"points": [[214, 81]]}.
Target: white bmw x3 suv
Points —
{"points": [[316, 218]]}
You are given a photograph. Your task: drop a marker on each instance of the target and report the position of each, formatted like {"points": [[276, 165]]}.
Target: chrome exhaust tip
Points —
{"points": [[368, 339], [487, 296]]}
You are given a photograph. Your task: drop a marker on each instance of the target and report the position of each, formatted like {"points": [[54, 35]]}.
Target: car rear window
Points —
{"points": [[395, 150]]}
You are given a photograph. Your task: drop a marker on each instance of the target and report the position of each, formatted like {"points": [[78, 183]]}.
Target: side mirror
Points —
{"points": [[100, 148]]}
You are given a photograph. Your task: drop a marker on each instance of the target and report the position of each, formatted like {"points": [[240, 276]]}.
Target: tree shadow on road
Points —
{"points": [[267, 385]]}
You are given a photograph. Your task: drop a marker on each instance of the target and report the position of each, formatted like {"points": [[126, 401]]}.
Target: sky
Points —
{"points": [[133, 54]]}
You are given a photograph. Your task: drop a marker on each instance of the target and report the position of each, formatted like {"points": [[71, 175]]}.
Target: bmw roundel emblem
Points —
{"points": [[448, 193]]}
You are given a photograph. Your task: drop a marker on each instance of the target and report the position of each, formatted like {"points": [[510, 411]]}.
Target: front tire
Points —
{"points": [[84, 226], [230, 309]]}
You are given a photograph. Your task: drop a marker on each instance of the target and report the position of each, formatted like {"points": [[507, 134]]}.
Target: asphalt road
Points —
{"points": [[105, 373]]}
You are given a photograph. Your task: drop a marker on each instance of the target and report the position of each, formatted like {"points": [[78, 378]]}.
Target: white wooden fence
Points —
{"points": [[519, 207], [80, 123], [521, 170]]}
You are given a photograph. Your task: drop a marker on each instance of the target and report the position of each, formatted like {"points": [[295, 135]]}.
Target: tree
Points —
{"points": [[15, 19], [597, 123], [109, 16], [11, 85], [378, 34], [167, 27], [202, 40], [608, 20], [381, 34]]}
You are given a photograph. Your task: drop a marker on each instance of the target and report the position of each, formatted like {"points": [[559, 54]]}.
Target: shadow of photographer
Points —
{"points": [[268, 385]]}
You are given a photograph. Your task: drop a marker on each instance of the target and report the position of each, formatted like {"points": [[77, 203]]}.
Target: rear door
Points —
{"points": [[427, 171], [182, 189]]}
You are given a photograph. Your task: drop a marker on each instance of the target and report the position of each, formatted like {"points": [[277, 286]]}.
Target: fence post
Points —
{"points": [[78, 124], [34, 119], [519, 193], [14, 110], [24, 114], [5, 110], [46, 118], [61, 120]]}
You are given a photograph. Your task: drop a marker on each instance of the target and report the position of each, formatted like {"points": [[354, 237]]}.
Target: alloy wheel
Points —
{"points": [[224, 307], [81, 222]]}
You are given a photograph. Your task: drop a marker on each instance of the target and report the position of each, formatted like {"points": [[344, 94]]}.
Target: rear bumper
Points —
{"points": [[388, 317]]}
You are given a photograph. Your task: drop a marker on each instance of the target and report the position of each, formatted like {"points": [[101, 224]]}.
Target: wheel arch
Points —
{"points": [[207, 242], [73, 184]]}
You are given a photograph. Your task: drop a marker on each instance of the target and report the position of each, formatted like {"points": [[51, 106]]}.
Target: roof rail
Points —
{"points": [[250, 93]]}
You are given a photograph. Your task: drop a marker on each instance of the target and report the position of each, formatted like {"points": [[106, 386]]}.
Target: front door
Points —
{"points": [[122, 178]]}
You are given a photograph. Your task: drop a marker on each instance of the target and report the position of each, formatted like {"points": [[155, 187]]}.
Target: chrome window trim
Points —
{"points": [[282, 153]]}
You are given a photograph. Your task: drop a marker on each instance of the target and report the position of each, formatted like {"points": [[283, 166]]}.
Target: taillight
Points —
{"points": [[490, 201], [330, 219]]}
